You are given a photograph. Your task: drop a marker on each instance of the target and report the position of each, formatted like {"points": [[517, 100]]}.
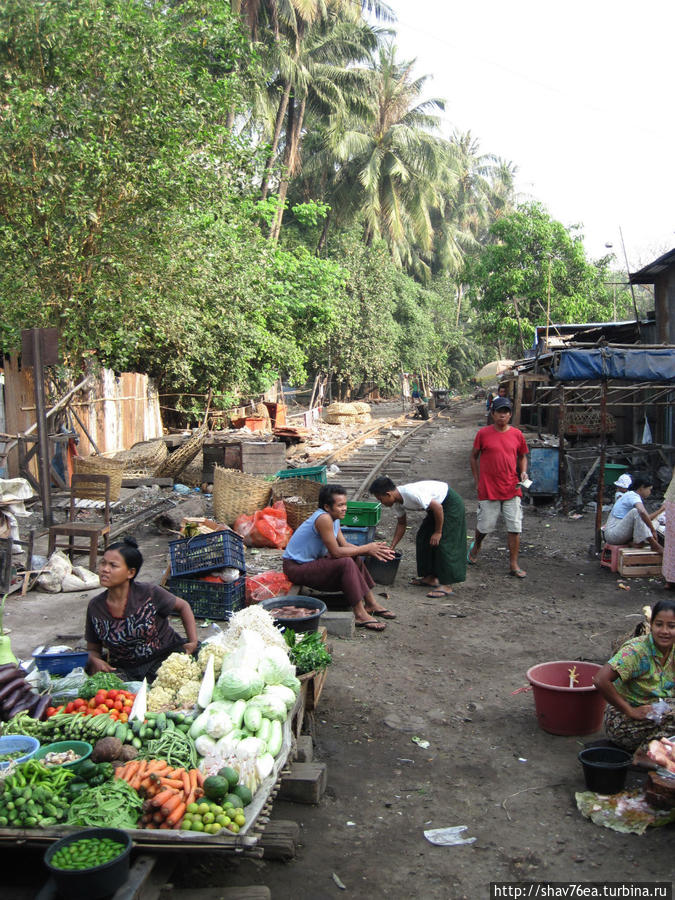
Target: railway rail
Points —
{"points": [[392, 454]]}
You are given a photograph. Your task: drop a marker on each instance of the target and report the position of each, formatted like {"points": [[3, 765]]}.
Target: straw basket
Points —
{"points": [[298, 511], [361, 407], [344, 409], [143, 458], [363, 418], [101, 465], [305, 488], [174, 464], [192, 474], [236, 492], [332, 418]]}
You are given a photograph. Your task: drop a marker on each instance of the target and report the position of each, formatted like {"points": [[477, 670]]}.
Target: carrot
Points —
{"points": [[176, 816], [158, 817], [138, 776], [130, 770], [172, 803], [176, 783], [200, 777], [162, 797], [186, 782], [156, 765]]}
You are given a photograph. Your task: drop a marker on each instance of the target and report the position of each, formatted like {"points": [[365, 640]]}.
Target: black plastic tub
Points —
{"points": [[97, 882], [605, 768], [384, 572], [306, 623]]}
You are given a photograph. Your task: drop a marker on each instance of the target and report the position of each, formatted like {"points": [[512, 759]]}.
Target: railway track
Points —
{"points": [[395, 449]]}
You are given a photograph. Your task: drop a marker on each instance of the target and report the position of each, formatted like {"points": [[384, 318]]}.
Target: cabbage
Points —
{"points": [[271, 706], [218, 724], [250, 747], [240, 684], [290, 681], [220, 706], [248, 653], [198, 727], [227, 745], [279, 690], [275, 665], [205, 745]]}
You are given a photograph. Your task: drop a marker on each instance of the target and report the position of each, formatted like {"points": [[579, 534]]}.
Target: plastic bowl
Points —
{"points": [[10, 743], [306, 623], [99, 881], [81, 747], [605, 768]]}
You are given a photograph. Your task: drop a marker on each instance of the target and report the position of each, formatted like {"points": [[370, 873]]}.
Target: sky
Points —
{"points": [[577, 94]]}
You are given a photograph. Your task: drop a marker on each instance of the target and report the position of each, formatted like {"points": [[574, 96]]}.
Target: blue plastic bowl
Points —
{"points": [[61, 663], [10, 743]]}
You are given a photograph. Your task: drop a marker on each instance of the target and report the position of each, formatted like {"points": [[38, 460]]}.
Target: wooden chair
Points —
{"points": [[84, 487]]}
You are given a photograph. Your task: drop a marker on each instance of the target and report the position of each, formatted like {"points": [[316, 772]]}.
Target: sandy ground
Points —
{"points": [[444, 671]]}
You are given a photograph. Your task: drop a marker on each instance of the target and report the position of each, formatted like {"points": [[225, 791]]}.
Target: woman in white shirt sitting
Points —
{"points": [[629, 522]]}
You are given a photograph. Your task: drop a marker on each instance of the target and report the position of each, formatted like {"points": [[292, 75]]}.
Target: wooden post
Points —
{"points": [[518, 400], [601, 466], [42, 430], [562, 463]]}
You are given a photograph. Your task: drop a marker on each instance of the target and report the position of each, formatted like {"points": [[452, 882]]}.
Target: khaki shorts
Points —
{"points": [[488, 514]]}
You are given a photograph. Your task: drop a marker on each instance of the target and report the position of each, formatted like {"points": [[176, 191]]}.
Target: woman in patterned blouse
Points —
{"points": [[638, 676]]}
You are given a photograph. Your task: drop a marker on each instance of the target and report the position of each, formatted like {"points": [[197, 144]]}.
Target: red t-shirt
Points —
{"points": [[498, 463]]}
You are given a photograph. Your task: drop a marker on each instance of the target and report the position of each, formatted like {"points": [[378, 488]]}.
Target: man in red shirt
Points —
{"points": [[499, 464]]}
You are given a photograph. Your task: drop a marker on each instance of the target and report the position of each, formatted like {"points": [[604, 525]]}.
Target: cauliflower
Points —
{"points": [[187, 694], [159, 698], [217, 651], [176, 670]]}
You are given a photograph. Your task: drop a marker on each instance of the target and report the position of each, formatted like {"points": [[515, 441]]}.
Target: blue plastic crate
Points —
{"points": [[204, 552], [210, 599], [61, 663], [359, 536]]}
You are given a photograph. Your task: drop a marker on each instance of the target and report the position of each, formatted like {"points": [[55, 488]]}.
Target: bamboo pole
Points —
{"points": [[601, 468]]}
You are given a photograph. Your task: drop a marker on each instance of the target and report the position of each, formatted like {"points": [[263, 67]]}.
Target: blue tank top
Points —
{"points": [[306, 545]]}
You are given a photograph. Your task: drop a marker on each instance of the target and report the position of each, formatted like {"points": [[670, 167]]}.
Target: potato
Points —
{"points": [[128, 752], [106, 750]]}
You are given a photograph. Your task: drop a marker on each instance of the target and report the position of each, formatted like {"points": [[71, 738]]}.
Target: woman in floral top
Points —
{"points": [[637, 677]]}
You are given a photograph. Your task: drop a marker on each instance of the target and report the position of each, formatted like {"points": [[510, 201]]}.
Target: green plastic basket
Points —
{"points": [[312, 473], [362, 513]]}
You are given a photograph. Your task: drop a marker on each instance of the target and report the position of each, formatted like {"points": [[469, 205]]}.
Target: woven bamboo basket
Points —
{"points": [[305, 488], [143, 457], [175, 462], [344, 409], [331, 418], [101, 465], [297, 512], [237, 492], [193, 472], [361, 407], [363, 418]]}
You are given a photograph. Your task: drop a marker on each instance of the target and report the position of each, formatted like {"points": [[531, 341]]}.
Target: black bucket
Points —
{"points": [[605, 768], [99, 881], [383, 571], [306, 623]]}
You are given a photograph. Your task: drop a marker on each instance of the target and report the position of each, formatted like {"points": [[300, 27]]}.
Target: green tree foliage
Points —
{"points": [[533, 268]]}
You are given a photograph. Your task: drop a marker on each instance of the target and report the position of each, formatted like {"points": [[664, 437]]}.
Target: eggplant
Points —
{"points": [[44, 701], [21, 706], [9, 671], [8, 688], [13, 698]]}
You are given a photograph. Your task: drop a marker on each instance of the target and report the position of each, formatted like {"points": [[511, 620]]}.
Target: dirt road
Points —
{"points": [[445, 671]]}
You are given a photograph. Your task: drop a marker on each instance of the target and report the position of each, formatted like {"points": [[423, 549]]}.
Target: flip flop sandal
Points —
{"points": [[470, 559], [371, 625], [417, 582], [437, 593], [383, 613], [518, 573]]}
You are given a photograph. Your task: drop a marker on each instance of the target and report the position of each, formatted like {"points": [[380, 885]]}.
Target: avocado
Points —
{"points": [[242, 791], [216, 788], [231, 774]]}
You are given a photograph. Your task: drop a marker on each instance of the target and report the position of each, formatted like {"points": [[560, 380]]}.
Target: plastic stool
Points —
{"points": [[609, 558]]}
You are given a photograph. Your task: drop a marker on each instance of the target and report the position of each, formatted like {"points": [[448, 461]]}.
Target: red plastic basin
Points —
{"points": [[562, 709]]}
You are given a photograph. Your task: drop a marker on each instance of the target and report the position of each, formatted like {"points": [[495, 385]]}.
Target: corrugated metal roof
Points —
{"points": [[649, 273]]}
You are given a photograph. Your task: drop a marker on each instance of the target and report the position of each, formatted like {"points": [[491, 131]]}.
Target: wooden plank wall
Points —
{"points": [[118, 412]]}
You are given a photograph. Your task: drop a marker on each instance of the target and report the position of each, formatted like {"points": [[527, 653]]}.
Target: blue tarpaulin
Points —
{"points": [[622, 365]]}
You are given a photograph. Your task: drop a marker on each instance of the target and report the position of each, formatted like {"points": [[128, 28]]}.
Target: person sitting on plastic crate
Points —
{"points": [[318, 556], [131, 619], [441, 538]]}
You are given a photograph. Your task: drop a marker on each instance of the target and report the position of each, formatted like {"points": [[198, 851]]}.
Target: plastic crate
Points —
{"points": [[313, 473], [362, 513], [210, 599], [358, 536], [61, 663], [217, 550]]}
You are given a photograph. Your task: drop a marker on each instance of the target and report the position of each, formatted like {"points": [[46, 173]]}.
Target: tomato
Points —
{"points": [[50, 711], [70, 706], [124, 717], [79, 703], [112, 695], [100, 697], [128, 703], [113, 714], [119, 705], [92, 703]]}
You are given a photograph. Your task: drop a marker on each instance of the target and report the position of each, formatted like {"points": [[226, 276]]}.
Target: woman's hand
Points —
{"points": [[435, 539], [640, 712], [191, 647], [380, 550], [96, 664]]}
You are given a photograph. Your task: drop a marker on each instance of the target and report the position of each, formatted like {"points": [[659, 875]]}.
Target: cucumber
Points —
{"points": [[162, 722], [142, 732], [121, 732], [137, 743], [111, 728], [136, 726], [169, 725]]}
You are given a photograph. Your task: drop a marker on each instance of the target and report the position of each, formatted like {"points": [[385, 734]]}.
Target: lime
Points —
{"points": [[193, 808], [208, 818], [197, 825], [233, 827], [240, 820]]}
